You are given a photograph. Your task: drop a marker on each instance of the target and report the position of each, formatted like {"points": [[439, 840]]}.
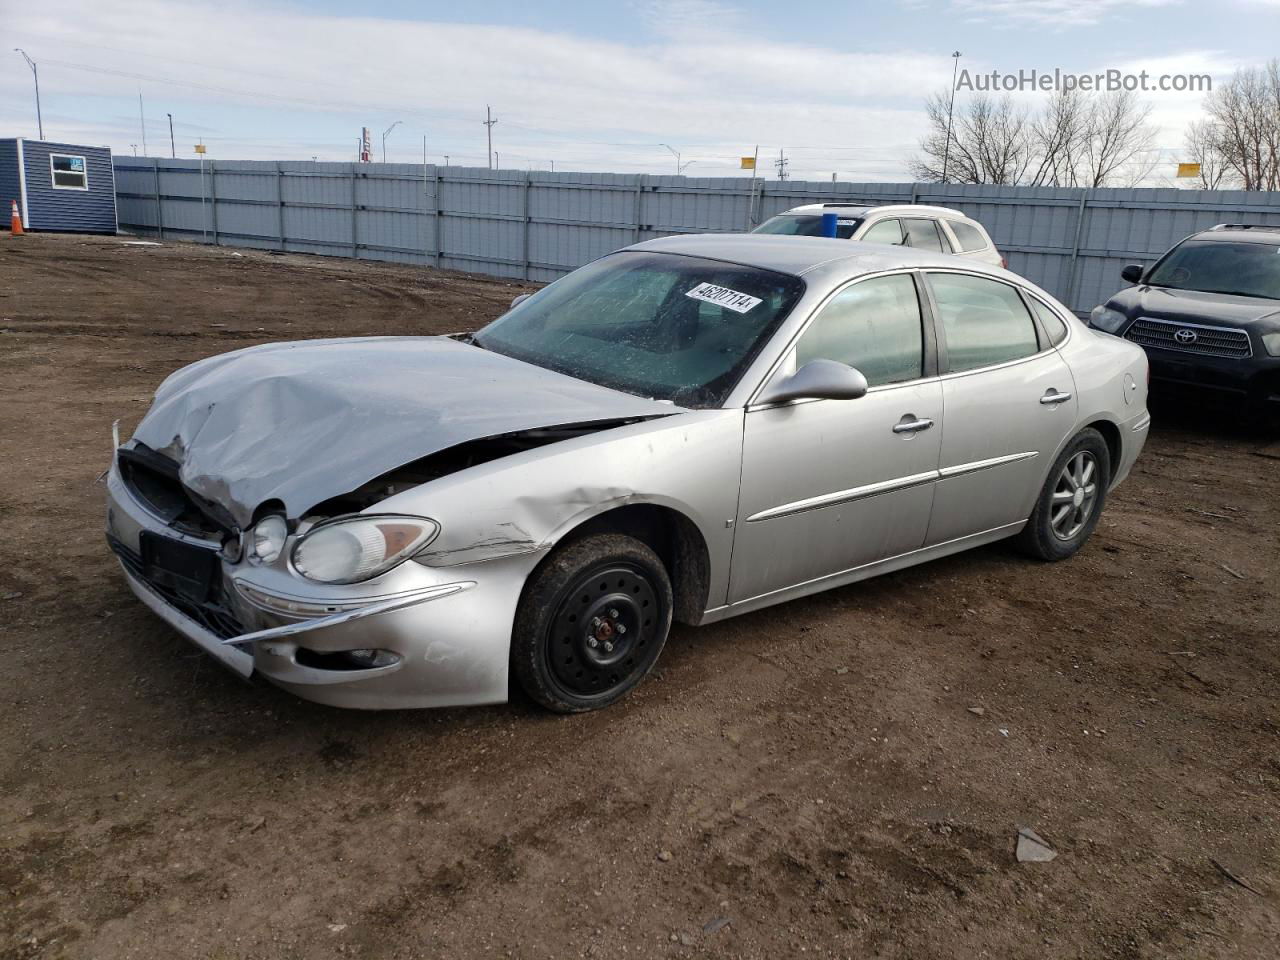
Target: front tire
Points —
{"points": [[1071, 500], [591, 623]]}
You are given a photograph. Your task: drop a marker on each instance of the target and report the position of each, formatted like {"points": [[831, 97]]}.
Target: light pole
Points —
{"points": [[946, 151], [385, 134], [488, 122], [680, 167], [173, 151], [36, 74]]}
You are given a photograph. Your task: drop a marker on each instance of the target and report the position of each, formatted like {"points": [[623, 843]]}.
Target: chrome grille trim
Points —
{"points": [[1230, 342]]}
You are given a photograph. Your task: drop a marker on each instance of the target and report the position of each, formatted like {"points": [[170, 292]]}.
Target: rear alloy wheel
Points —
{"points": [[592, 622], [1071, 501]]}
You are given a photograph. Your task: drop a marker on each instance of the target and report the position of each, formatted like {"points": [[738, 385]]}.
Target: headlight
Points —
{"points": [[1272, 342], [360, 548], [267, 538], [1107, 320]]}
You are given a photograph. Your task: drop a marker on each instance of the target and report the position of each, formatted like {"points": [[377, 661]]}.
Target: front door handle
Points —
{"points": [[1053, 397], [911, 424]]}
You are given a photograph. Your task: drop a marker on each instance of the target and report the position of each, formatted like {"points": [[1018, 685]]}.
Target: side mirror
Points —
{"points": [[1132, 273], [818, 380], [520, 299]]}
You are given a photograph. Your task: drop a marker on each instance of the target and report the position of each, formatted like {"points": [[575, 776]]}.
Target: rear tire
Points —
{"points": [[591, 623], [1071, 500]]}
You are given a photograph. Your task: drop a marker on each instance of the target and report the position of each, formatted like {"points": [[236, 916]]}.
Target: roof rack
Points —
{"points": [[1246, 226]]}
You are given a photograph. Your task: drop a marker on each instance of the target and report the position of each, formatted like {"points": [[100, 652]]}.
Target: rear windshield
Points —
{"points": [[1215, 266], [808, 225], [656, 325]]}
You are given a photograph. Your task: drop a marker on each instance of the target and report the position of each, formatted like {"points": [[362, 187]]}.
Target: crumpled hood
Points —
{"points": [[302, 422]]}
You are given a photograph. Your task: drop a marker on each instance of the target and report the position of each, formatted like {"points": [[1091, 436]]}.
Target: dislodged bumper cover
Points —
{"points": [[302, 422]]}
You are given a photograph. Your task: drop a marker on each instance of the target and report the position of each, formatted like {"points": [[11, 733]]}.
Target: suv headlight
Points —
{"points": [[1272, 342], [359, 548], [1107, 320]]}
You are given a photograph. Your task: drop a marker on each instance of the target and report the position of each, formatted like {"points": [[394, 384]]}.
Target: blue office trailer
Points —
{"points": [[58, 186]]}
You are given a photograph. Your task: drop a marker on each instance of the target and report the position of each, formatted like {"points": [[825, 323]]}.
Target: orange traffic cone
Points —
{"points": [[15, 221]]}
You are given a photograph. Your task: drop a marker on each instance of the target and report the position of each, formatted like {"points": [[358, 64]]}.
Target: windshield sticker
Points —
{"points": [[724, 297]]}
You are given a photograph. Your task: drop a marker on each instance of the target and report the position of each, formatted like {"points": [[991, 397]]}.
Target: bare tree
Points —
{"points": [[990, 142], [1247, 114], [1074, 141], [1203, 145], [1117, 150]]}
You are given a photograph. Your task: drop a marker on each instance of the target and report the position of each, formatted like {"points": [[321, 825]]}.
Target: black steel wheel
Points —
{"points": [[592, 621]]}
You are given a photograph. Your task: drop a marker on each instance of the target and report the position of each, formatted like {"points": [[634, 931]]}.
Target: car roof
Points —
{"points": [[1241, 233], [817, 209], [801, 255]]}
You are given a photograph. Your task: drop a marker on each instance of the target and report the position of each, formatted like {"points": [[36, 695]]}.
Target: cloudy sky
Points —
{"points": [[588, 85]]}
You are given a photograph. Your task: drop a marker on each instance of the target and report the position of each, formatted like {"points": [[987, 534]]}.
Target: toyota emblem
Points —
{"points": [[1185, 336]]}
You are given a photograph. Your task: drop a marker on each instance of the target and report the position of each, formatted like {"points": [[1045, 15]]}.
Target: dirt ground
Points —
{"points": [[805, 781]]}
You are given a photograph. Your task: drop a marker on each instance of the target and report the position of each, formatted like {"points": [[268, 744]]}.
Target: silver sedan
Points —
{"points": [[689, 429]]}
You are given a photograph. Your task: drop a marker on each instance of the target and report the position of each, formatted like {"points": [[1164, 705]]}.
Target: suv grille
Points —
{"points": [[1190, 338], [214, 616]]}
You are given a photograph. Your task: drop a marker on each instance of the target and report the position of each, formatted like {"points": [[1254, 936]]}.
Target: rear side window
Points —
{"points": [[874, 326], [1053, 324], [968, 236], [984, 322], [923, 235], [886, 231]]}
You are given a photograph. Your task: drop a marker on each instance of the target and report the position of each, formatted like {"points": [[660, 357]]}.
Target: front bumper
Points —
{"points": [[1255, 379], [450, 627]]}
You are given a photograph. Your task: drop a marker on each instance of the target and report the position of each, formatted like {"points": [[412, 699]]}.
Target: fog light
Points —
{"points": [[368, 659], [267, 539]]}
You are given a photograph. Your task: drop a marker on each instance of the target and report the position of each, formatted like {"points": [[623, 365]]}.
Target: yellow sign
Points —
{"points": [[199, 148], [748, 163], [1188, 170]]}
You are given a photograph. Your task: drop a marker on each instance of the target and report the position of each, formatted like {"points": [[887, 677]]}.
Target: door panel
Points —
{"points": [[828, 485], [1009, 404]]}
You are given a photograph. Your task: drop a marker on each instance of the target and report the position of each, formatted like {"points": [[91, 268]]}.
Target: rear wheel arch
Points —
{"points": [[676, 540], [1111, 434]]}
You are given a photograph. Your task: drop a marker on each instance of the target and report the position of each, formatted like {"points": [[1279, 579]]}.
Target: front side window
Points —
{"points": [[1221, 266], [655, 325], [808, 225], [984, 322], [874, 326], [968, 236], [923, 235], [69, 173], [886, 231]]}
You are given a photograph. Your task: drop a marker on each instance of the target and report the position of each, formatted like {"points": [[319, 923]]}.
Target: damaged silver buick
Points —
{"points": [[687, 429]]}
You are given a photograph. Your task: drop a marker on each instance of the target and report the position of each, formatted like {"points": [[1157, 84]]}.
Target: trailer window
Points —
{"points": [[68, 172]]}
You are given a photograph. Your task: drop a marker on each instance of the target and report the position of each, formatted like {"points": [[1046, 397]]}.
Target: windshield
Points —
{"points": [[656, 325], [807, 226], [1215, 266]]}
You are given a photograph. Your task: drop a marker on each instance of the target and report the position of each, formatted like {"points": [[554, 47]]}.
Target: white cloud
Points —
{"points": [[1053, 13]]}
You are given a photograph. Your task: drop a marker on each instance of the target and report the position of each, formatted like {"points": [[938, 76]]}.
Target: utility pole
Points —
{"points": [[385, 134], [946, 151], [35, 73], [781, 165], [142, 122], [173, 151], [488, 124]]}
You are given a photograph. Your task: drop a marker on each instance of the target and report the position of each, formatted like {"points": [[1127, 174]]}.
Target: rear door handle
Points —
{"points": [[909, 424], [1052, 397]]}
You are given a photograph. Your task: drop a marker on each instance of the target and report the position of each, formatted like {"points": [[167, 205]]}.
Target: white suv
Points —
{"points": [[906, 224]]}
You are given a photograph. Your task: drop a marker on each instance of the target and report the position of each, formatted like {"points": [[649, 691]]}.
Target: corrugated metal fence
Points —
{"points": [[539, 225]]}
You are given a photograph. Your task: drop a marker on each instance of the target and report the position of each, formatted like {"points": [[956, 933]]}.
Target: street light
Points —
{"points": [[173, 151], [946, 151], [680, 168], [36, 74], [385, 133]]}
